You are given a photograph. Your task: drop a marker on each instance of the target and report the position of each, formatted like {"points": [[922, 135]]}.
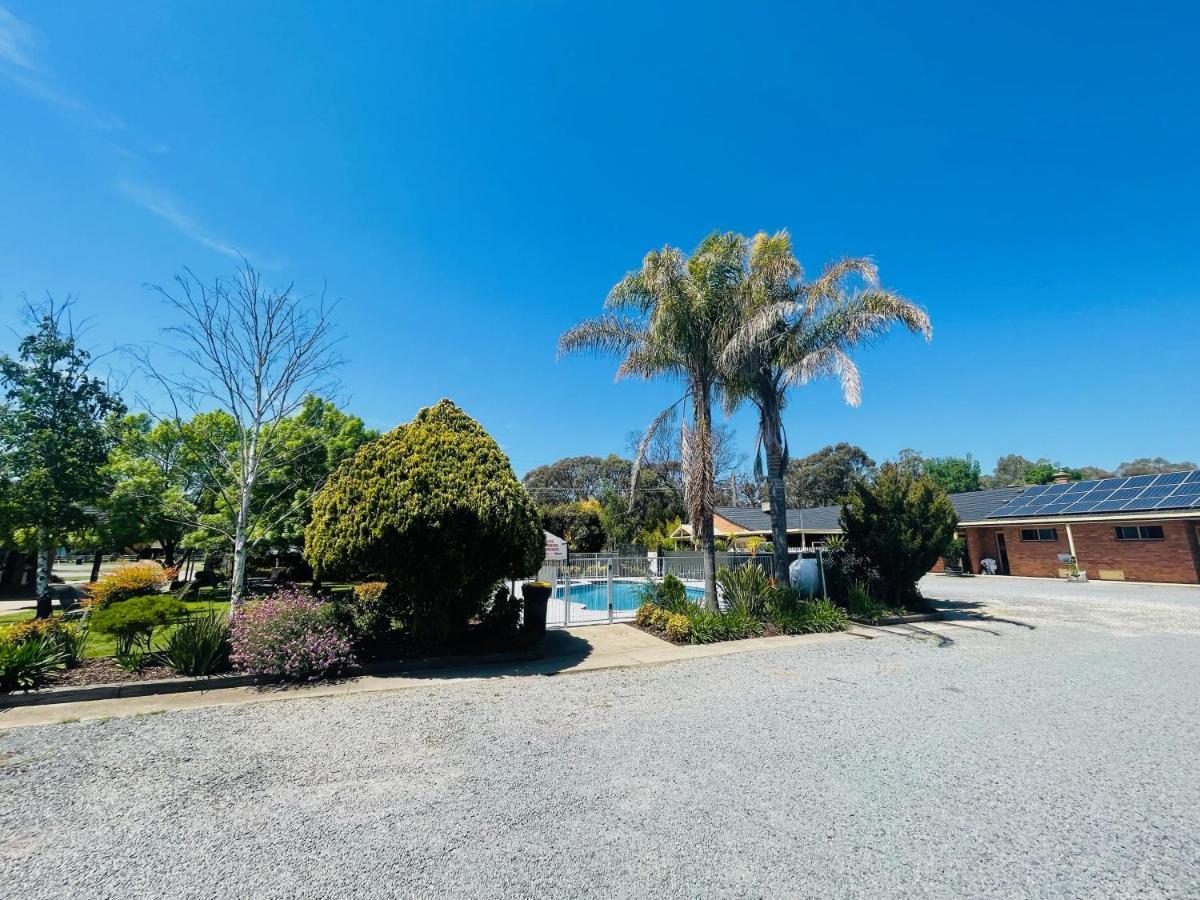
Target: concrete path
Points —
{"points": [[567, 650]]}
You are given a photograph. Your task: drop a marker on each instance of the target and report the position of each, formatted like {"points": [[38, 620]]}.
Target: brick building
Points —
{"points": [[1143, 528]]}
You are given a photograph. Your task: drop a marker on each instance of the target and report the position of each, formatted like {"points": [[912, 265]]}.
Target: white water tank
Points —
{"points": [[805, 574]]}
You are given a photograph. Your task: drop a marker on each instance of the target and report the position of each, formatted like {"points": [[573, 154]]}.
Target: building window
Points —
{"points": [[1139, 533], [1039, 534]]}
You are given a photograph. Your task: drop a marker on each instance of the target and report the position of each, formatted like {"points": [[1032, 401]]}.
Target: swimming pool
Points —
{"points": [[626, 595]]}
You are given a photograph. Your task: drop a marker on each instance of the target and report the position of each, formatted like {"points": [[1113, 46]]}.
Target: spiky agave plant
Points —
{"points": [[673, 318], [792, 332]]}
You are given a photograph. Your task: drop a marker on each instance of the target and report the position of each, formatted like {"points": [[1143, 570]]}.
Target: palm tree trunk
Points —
{"points": [[776, 493], [702, 407]]}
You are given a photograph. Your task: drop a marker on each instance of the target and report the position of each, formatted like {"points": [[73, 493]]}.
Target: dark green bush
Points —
{"points": [[363, 613], [29, 664], [578, 524], [432, 506], [900, 523], [502, 618], [199, 646], [133, 622]]}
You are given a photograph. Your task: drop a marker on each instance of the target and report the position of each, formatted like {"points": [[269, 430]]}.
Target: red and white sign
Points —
{"points": [[556, 548]]}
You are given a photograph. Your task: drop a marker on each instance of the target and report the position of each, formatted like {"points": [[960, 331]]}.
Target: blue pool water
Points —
{"points": [[626, 595]]}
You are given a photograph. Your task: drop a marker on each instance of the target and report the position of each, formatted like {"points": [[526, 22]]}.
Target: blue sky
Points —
{"points": [[470, 179]]}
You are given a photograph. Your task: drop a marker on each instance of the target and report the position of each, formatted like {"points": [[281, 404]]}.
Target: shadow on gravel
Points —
{"points": [[912, 630], [970, 610], [560, 650]]}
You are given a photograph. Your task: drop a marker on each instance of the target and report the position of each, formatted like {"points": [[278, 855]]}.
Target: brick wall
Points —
{"points": [[1173, 559]]}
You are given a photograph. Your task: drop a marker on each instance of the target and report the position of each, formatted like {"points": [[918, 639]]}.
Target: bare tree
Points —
{"points": [[254, 353]]}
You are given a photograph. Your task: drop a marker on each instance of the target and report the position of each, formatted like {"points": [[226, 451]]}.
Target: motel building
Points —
{"points": [[1138, 528]]}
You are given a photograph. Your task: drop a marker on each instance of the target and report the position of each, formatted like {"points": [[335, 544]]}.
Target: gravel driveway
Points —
{"points": [[1048, 750]]}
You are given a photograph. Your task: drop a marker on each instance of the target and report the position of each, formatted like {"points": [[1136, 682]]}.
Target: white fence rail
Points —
{"points": [[598, 589]]}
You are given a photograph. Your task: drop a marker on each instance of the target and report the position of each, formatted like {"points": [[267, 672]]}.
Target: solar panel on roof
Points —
{"points": [[1171, 490], [1158, 490], [1139, 480], [1171, 478], [1173, 502]]}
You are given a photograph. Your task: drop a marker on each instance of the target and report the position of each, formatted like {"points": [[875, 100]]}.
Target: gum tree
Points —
{"points": [[253, 353]]}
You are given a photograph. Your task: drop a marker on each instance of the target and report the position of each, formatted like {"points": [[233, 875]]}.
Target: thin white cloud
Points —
{"points": [[164, 205], [19, 64], [16, 41]]}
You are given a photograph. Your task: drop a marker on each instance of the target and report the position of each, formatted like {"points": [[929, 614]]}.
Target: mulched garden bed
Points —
{"points": [[104, 670]]}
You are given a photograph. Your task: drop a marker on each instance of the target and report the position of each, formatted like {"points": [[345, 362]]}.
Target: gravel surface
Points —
{"points": [[1047, 751]]}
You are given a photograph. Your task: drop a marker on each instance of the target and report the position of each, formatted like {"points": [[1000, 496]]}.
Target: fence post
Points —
{"points": [[566, 595], [610, 593]]}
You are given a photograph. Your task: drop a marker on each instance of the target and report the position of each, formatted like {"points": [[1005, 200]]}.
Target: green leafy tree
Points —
{"points": [[55, 436], [433, 509], [672, 318], [901, 523], [577, 478], [1043, 472], [794, 331], [955, 474], [147, 501], [310, 446], [825, 477], [578, 523]]}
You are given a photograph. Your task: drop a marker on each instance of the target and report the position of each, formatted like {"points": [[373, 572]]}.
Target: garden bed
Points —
{"points": [[159, 679], [104, 670]]}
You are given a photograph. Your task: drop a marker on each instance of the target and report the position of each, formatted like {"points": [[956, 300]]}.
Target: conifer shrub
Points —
{"points": [[434, 508]]}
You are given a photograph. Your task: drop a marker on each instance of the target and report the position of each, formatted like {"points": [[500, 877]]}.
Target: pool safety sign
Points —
{"points": [[556, 548]]}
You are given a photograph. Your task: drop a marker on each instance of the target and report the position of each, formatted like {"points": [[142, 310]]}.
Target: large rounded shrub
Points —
{"points": [[434, 509]]}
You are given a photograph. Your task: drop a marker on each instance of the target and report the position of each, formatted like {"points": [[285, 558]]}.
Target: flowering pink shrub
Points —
{"points": [[290, 633]]}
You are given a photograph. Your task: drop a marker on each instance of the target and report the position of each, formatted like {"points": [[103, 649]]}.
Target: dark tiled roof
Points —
{"points": [[817, 518], [971, 507], [975, 505]]}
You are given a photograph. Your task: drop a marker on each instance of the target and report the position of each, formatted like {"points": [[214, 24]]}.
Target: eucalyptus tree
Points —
{"points": [[672, 318], [254, 354], [794, 331]]}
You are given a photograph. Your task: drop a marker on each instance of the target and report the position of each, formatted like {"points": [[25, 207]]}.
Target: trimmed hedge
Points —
{"points": [[434, 508]]}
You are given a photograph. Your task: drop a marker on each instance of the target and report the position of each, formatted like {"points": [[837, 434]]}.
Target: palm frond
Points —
{"points": [[606, 334], [831, 284], [823, 363], [644, 444]]}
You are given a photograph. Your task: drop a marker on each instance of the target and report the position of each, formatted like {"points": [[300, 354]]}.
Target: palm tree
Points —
{"points": [[792, 332], [673, 318]]}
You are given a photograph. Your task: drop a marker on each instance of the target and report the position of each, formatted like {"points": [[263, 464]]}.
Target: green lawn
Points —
{"points": [[104, 645]]}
